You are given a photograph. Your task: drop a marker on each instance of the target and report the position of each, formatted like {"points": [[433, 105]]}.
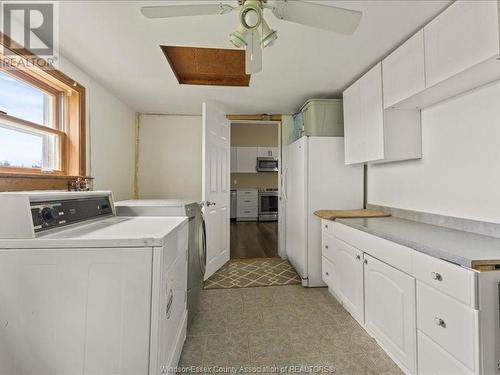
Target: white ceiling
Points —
{"points": [[115, 44]]}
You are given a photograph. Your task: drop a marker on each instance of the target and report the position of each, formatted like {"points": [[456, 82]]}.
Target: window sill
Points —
{"points": [[40, 176], [35, 181]]}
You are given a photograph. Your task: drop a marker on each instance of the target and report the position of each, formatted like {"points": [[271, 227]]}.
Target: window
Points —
{"points": [[26, 111], [42, 122]]}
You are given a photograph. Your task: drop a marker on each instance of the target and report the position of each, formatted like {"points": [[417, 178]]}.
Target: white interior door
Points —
{"points": [[216, 186]]}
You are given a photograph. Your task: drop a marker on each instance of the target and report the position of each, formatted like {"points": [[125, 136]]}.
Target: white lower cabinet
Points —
{"points": [[432, 359], [345, 274], [350, 278], [424, 313], [450, 324], [390, 310]]}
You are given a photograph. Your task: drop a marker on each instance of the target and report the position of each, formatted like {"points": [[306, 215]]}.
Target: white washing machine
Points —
{"points": [[85, 292]]}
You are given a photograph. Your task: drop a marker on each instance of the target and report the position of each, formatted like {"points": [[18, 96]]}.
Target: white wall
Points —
{"points": [[170, 157], [459, 174], [110, 136]]}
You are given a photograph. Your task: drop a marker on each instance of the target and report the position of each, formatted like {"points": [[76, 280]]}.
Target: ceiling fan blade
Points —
{"points": [[326, 17], [186, 10], [253, 53]]}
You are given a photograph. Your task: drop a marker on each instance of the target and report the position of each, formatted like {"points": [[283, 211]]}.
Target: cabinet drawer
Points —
{"points": [[388, 252], [449, 323], [449, 278], [247, 194], [249, 201], [328, 246], [327, 226], [327, 270], [246, 212], [432, 359]]}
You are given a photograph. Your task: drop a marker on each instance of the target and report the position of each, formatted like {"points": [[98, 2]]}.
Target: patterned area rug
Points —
{"points": [[245, 273]]}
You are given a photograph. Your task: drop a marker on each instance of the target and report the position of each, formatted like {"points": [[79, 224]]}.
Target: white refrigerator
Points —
{"points": [[316, 177]]}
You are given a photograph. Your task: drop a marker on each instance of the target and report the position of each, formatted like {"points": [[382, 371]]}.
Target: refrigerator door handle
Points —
{"points": [[285, 186]]}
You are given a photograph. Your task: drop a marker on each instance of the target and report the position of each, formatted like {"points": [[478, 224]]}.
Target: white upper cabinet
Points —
{"points": [[268, 152], [373, 134], [464, 35], [234, 159], [246, 159], [353, 128], [456, 52], [404, 71], [372, 113]]}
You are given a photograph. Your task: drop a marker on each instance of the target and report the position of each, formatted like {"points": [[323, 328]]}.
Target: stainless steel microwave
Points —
{"points": [[267, 164]]}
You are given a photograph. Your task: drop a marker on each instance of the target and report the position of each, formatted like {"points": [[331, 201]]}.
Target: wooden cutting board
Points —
{"points": [[349, 214]]}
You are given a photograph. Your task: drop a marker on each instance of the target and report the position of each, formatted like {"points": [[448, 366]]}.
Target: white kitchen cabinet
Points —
{"points": [[246, 159], [432, 359], [461, 47], [390, 310], [465, 34], [450, 324], [374, 134], [353, 128], [372, 113], [350, 278], [404, 71], [268, 152], [234, 160]]}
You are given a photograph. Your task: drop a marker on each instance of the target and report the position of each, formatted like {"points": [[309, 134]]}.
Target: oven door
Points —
{"points": [[267, 165], [268, 203]]}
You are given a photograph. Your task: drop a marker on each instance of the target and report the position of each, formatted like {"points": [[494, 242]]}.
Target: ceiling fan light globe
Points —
{"points": [[268, 41], [252, 19], [269, 35], [237, 39]]}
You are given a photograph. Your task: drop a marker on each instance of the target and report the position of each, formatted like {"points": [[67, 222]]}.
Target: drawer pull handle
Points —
{"points": [[327, 274], [326, 246], [366, 261], [326, 226], [358, 257], [436, 276], [439, 322]]}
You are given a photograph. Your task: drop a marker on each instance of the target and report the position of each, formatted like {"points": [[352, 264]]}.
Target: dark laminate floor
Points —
{"points": [[254, 239]]}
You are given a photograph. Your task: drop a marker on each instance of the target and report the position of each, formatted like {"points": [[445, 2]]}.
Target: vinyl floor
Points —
{"points": [[279, 329]]}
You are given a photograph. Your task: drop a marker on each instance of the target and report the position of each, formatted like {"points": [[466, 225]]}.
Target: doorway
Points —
{"points": [[255, 171]]}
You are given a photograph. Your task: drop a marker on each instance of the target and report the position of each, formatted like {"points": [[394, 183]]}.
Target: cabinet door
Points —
{"points": [[234, 159], [275, 152], [267, 152], [372, 113], [354, 135], [350, 274], [404, 71], [247, 159], [390, 310], [464, 35]]}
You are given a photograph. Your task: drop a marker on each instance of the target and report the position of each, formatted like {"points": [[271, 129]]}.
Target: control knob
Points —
{"points": [[49, 215]]}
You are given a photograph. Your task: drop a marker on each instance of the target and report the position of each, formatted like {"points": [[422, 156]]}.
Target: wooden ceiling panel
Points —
{"points": [[207, 66]]}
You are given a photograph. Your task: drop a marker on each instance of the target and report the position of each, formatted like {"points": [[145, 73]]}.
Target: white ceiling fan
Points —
{"points": [[254, 33]]}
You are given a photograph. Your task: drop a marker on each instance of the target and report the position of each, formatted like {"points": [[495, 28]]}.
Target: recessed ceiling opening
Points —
{"points": [[207, 66]]}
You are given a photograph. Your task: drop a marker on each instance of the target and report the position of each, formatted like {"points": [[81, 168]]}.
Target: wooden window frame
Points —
{"points": [[72, 135]]}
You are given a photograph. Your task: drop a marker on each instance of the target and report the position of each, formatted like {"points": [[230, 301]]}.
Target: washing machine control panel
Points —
{"points": [[58, 213]]}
